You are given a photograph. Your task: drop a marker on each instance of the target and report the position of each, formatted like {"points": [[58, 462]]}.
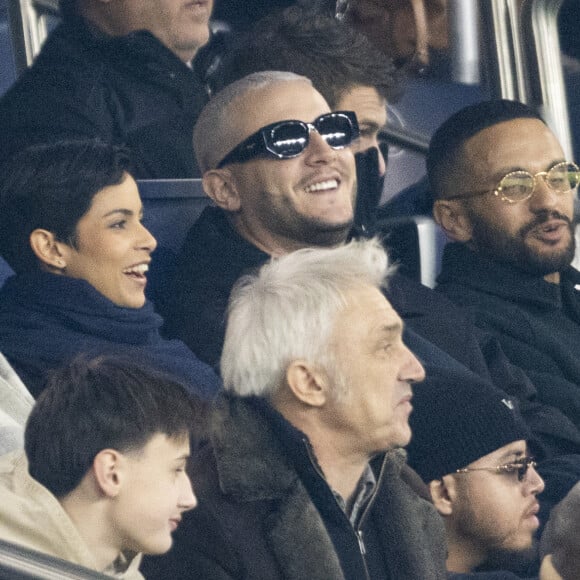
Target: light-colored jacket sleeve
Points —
{"points": [[15, 405]]}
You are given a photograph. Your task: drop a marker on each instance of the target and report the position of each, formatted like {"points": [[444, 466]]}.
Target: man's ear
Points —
{"points": [[442, 493], [108, 470], [51, 253], [309, 385], [451, 217], [220, 186]]}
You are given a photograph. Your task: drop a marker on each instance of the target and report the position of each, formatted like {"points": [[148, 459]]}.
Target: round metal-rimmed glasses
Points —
{"points": [[517, 186]]}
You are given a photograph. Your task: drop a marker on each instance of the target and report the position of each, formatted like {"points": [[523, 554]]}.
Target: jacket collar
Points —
{"points": [[253, 464], [214, 229], [250, 459], [214, 224], [245, 429], [466, 267], [137, 49]]}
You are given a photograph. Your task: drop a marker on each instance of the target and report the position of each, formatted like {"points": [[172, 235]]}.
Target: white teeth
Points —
{"points": [[330, 184], [140, 269]]}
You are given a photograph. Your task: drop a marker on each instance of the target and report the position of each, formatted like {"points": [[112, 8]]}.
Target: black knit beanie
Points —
{"points": [[458, 418]]}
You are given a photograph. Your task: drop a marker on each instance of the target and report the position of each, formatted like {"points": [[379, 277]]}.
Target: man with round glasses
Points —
{"points": [[470, 444], [504, 194]]}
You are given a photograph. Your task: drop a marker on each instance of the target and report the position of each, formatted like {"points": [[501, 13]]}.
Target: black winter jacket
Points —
{"points": [[129, 90], [537, 323]]}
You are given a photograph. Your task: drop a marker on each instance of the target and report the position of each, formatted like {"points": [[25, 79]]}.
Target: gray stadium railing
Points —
{"points": [[18, 563]]}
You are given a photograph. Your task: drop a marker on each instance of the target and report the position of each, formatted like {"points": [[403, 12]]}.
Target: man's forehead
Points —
{"points": [[370, 299], [515, 138], [295, 99], [518, 144]]}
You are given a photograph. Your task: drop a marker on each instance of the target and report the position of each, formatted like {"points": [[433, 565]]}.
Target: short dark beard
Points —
{"points": [[489, 240], [317, 233]]}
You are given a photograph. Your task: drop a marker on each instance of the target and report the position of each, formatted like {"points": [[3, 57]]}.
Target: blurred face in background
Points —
{"points": [[181, 25], [371, 113]]}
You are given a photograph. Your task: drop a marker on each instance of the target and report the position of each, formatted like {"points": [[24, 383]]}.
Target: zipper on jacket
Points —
{"points": [[358, 531], [363, 551], [372, 498], [361, 542]]}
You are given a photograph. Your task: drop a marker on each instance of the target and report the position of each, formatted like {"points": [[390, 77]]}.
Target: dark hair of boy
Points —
{"points": [[106, 402]]}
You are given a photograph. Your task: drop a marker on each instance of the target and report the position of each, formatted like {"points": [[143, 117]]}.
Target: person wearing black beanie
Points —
{"points": [[471, 446]]}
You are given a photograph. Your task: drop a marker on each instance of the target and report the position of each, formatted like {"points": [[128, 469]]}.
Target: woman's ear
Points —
{"points": [[220, 186], [453, 220], [50, 252]]}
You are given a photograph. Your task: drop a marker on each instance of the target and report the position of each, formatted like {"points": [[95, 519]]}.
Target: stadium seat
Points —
{"points": [[5, 271], [170, 207]]}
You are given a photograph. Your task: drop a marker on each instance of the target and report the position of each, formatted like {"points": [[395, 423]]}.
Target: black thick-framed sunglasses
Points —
{"points": [[287, 139], [519, 466]]}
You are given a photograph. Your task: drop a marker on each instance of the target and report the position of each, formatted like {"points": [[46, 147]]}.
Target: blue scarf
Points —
{"points": [[47, 319]]}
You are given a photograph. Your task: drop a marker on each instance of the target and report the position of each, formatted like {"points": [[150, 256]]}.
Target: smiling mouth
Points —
{"points": [[327, 185], [138, 271]]}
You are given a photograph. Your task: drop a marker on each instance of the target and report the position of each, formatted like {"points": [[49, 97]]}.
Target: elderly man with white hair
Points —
{"points": [[303, 476]]}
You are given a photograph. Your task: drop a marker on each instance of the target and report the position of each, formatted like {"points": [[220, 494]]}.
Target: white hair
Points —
{"points": [[287, 312], [213, 126]]}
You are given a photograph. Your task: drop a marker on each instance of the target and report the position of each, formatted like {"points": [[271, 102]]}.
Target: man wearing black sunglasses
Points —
{"points": [[291, 181], [470, 444]]}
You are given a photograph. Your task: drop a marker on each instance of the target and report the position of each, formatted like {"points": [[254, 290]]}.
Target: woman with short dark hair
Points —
{"points": [[70, 227]]}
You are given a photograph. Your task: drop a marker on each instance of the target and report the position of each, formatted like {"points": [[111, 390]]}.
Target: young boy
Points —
{"points": [[103, 474]]}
